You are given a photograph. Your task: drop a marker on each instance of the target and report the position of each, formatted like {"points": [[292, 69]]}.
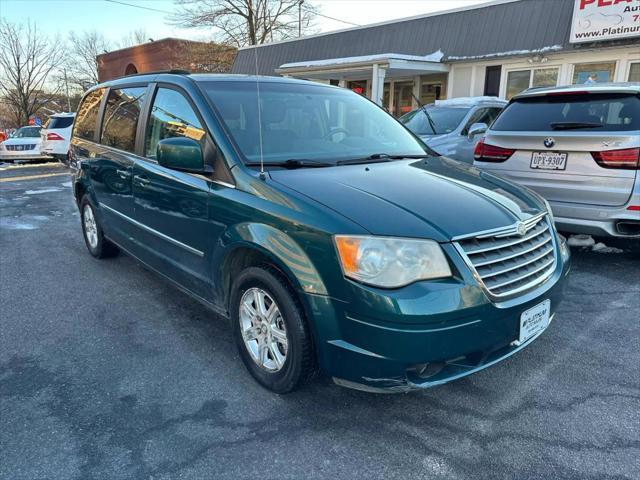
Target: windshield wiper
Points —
{"points": [[291, 163], [379, 158], [573, 125], [423, 107]]}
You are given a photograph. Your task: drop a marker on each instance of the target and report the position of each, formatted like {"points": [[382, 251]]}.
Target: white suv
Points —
{"points": [[577, 146], [56, 136]]}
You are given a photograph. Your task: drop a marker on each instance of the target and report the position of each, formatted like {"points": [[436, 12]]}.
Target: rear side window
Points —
{"points": [[583, 112], [59, 122], [121, 117], [88, 114]]}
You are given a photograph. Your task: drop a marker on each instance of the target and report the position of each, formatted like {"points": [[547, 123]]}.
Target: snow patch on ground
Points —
{"points": [[25, 222], [587, 242], [66, 184], [43, 190]]}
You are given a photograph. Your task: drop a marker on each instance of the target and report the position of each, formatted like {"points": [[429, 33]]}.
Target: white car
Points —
{"points": [[56, 135], [24, 145]]}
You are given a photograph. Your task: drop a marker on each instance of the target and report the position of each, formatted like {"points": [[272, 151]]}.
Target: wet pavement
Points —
{"points": [[106, 371]]}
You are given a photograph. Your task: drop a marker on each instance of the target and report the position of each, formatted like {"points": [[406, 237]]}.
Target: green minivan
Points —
{"points": [[331, 237]]}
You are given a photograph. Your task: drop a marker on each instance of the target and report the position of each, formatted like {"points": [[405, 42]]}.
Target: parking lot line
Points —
{"points": [[31, 177]]}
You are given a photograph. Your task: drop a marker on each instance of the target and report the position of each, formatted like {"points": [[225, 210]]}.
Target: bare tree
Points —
{"points": [[81, 65], [134, 37], [27, 61], [245, 22]]}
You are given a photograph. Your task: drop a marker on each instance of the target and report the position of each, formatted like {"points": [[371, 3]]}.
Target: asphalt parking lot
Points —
{"points": [[106, 371]]}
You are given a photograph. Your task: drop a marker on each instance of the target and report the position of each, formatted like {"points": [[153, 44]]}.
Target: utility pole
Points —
{"points": [[300, 18], [66, 86]]}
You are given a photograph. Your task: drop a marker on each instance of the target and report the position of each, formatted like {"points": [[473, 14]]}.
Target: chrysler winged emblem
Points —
{"points": [[521, 228], [549, 142]]}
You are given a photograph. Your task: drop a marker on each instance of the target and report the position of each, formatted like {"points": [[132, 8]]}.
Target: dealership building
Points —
{"points": [[499, 48]]}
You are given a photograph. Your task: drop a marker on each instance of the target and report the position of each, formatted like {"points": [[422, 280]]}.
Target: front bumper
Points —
{"points": [[6, 156], [464, 332]]}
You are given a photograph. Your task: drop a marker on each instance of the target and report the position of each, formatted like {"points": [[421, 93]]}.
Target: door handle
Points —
{"points": [[123, 174], [141, 181]]}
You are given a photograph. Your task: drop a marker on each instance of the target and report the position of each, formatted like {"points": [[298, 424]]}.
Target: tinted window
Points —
{"points": [[445, 120], [121, 118], [611, 112], [59, 122], [27, 132], [88, 114], [171, 116], [482, 115], [301, 121]]}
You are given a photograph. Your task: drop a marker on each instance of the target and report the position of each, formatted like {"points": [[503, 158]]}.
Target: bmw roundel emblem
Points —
{"points": [[549, 142], [521, 228]]}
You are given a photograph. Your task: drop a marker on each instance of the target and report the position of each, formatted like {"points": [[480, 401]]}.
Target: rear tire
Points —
{"points": [[92, 232], [270, 330]]}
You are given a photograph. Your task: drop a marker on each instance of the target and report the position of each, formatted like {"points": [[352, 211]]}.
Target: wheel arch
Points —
{"points": [[253, 244]]}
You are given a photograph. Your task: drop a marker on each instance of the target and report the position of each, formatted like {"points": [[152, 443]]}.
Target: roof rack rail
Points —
{"points": [[174, 71]]}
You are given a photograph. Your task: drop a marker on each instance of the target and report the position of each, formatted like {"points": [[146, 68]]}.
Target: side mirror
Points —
{"points": [[180, 153], [477, 129]]}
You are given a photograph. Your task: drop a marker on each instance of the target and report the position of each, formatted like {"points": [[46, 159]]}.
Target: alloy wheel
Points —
{"points": [[263, 329]]}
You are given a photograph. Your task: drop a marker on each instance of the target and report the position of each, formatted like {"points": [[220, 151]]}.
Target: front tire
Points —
{"points": [[270, 330], [93, 234]]}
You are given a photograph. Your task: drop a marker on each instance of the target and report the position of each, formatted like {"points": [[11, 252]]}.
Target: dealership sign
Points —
{"points": [[595, 20]]}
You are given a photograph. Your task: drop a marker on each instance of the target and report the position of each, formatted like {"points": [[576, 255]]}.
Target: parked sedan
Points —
{"points": [[24, 145], [56, 136], [446, 126], [579, 147]]}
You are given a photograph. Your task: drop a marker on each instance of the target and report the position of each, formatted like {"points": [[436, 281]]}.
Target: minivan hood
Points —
{"points": [[438, 198]]}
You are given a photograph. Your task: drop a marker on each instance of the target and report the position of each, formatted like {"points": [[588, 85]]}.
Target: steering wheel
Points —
{"points": [[334, 131]]}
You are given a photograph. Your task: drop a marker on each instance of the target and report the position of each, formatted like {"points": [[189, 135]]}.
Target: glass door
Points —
{"points": [[403, 101]]}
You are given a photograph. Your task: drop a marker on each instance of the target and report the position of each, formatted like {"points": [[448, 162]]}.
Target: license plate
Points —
{"points": [[549, 160], [534, 321]]}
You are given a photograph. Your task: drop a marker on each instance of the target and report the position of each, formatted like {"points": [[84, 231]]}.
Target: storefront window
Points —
{"points": [[517, 82], [588, 73], [634, 72], [430, 92], [520, 80], [545, 77]]}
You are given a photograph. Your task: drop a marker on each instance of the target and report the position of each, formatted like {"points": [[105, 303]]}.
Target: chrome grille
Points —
{"points": [[507, 262]]}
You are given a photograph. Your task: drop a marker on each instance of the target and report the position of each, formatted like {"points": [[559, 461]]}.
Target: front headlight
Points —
{"points": [[390, 262]]}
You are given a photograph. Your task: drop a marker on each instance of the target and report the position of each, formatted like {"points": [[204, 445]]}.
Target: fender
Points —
{"points": [[276, 245]]}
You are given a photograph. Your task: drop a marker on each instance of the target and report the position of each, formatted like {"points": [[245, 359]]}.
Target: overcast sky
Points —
{"points": [[115, 20]]}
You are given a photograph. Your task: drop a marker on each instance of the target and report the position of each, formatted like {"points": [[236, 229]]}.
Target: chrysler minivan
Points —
{"points": [[329, 235]]}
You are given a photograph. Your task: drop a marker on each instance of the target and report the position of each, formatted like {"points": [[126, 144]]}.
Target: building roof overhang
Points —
{"points": [[395, 65]]}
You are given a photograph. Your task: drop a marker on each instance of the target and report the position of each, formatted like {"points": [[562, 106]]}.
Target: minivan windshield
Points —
{"points": [[315, 123], [27, 132], [581, 112], [445, 119]]}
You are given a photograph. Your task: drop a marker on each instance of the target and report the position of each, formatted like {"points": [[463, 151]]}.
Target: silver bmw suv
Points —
{"points": [[577, 146]]}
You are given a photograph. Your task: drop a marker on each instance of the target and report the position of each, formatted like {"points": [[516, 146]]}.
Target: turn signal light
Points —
{"points": [[628, 159], [490, 153], [54, 136]]}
